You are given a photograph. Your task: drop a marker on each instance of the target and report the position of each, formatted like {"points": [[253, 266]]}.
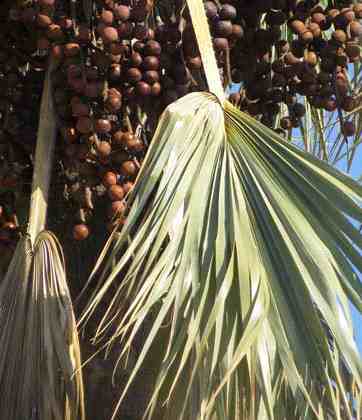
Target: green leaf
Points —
{"points": [[242, 254]]}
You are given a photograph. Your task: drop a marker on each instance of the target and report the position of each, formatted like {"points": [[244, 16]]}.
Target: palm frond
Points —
{"points": [[243, 248], [40, 356]]}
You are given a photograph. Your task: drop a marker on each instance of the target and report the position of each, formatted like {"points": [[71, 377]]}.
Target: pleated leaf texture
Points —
{"points": [[40, 364], [239, 257]]}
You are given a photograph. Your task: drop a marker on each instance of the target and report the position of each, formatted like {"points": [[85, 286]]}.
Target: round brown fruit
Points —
{"points": [[152, 48], [339, 36], [355, 29], [348, 128], [102, 126], [348, 104], [84, 125], [210, 9], [117, 209], [285, 123], [104, 149], [297, 26], [109, 179], [80, 232], [129, 169], [298, 110], [151, 62], [134, 75], [127, 186], [114, 103], [143, 89], [223, 28], [227, 12], [107, 17], [109, 34], [122, 12], [115, 192]]}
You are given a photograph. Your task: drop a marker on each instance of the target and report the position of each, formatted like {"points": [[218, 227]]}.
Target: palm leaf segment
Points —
{"points": [[243, 248]]}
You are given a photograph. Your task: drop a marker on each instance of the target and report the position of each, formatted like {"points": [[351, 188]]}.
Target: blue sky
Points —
{"points": [[357, 318]]}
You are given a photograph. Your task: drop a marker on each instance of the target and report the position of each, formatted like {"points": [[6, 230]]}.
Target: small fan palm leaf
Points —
{"points": [[243, 249], [40, 354]]}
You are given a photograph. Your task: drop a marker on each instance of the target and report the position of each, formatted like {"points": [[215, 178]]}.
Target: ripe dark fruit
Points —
{"points": [[210, 9], [151, 76], [348, 104], [227, 12], [348, 128], [143, 89], [298, 110], [151, 62], [109, 179], [134, 75], [223, 28], [237, 32], [152, 48], [115, 192], [84, 125], [221, 44], [285, 123], [80, 232], [136, 59]]}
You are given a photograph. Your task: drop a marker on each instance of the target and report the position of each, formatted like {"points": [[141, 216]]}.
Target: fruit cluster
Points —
{"points": [[121, 62]]}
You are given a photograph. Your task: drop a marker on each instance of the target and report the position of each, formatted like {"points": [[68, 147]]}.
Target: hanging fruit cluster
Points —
{"points": [[121, 62]]}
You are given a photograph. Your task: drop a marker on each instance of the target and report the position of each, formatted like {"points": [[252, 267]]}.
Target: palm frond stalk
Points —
{"points": [[40, 376], [247, 250]]}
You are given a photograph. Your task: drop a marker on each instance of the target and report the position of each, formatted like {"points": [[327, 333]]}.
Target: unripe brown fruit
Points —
{"points": [[339, 36], [102, 126], [355, 29], [136, 59], [107, 17], [117, 209], [109, 34], [109, 179], [127, 186], [122, 12], [80, 232], [129, 169], [115, 192], [297, 26], [103, 149], [113, 103]]}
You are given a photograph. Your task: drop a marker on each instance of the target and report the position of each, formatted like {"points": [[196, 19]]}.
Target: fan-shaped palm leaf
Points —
{"points": [[243, 248]]}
